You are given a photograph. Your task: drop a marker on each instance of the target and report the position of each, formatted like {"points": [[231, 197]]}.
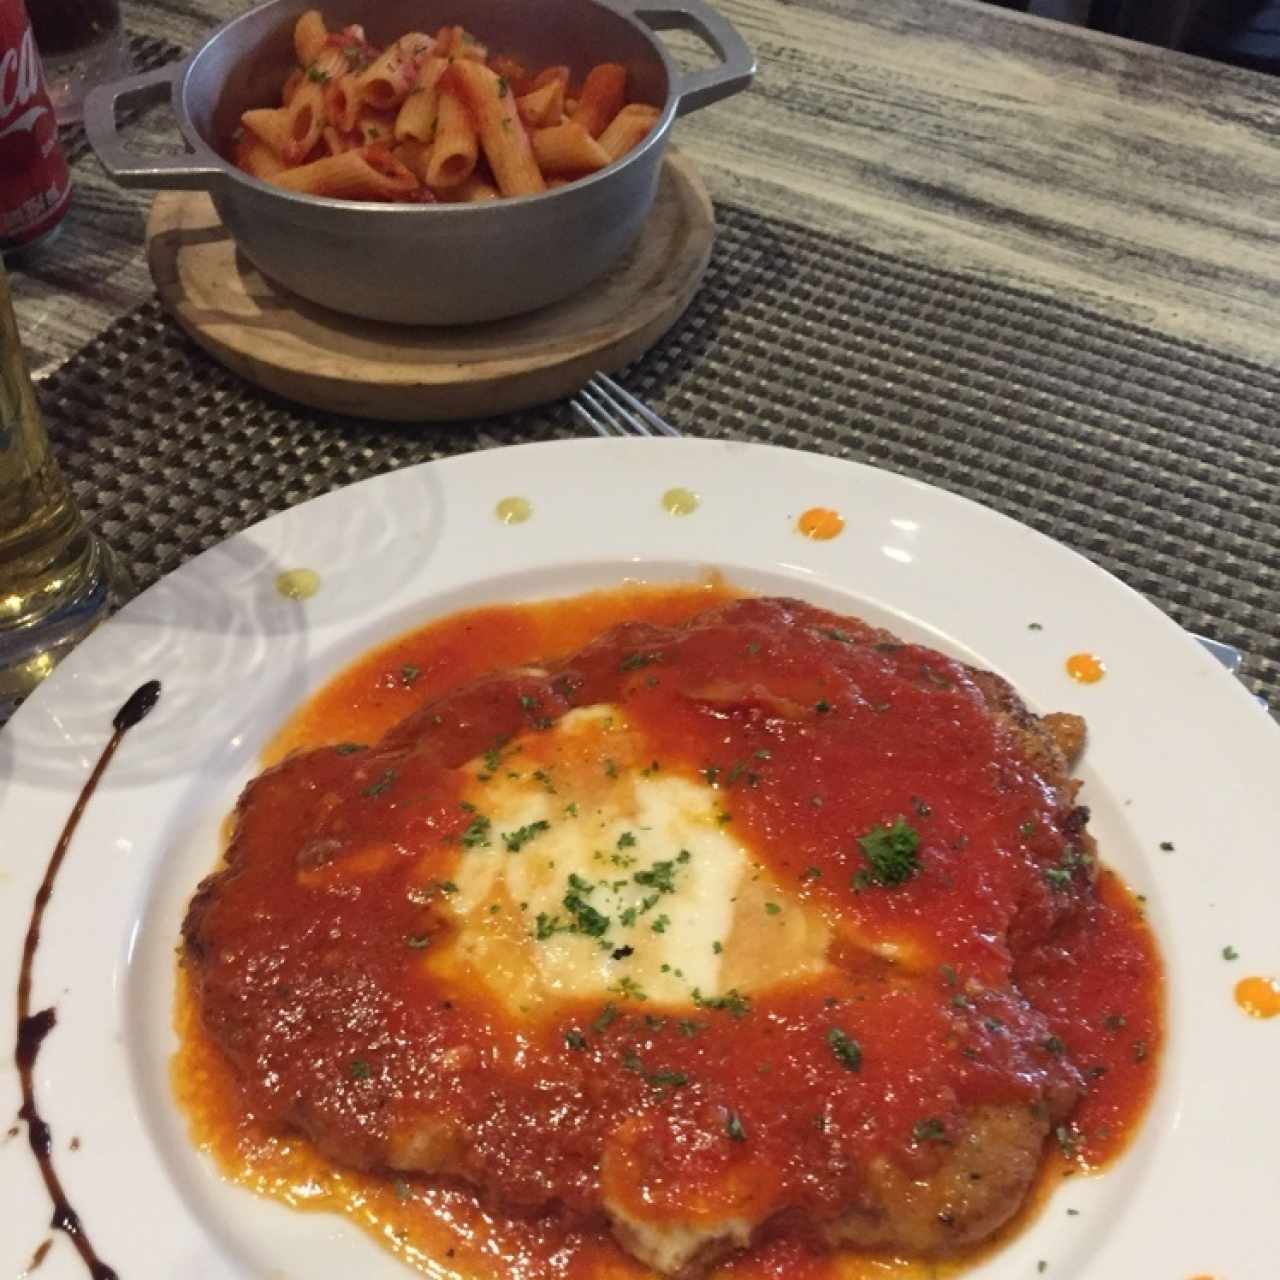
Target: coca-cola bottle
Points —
{"points": [[35, 186]]}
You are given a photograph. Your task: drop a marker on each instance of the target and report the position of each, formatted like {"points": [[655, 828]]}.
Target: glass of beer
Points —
{"points": [[81, 44], [57, 580]]}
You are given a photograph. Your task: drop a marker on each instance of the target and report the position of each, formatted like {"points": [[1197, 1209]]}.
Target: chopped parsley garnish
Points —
{"points": [[660, 924], [503, 87], [668, 1079], [772, 908], [409, 673], [529, 703], [586, 918], [629, 989], [1166, 846], [572, 809], [418, 940], [711, 773], [626, 840], [610, 769], [350, 748], [575, 1039], [385, 779], [688, 1027], [660, 876], [1054, 1046], [732, 1002], [1114, 1021], [359, 1069], [921, 807], [929, 1130], [822, 706], [733, 1126], [1027, 828], [1059, 877], [949, 975], [717, 947], [548, 926], [607, 1015], [634, 661], [317, 74], [1230, 953], [847, 1050], [631, 1061], [892, 853], [477, 833], [841, 636], [517, 839]]}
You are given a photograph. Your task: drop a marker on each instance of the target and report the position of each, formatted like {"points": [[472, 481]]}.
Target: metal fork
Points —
{"points": [[611, 410]]}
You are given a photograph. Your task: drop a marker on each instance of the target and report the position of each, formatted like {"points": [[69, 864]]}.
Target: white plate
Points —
{"points": [[1178, 751]]}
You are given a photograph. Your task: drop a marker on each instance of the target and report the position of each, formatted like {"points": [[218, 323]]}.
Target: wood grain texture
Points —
{"points": [[1141, 183], [400, 373]]}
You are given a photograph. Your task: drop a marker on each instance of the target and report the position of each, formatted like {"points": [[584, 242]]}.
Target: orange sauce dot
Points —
{"points": [[1258, 997], [1085, 668], [820, 523]]}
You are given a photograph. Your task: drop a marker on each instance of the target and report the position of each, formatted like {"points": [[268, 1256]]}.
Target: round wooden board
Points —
{"points": [[368, 369]]}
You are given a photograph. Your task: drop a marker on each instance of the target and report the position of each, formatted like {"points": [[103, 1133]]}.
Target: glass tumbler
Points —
{"points": [[81, 44]]}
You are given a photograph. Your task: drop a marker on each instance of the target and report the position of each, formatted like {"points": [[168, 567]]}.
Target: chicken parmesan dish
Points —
{"points": [[661, 928]]}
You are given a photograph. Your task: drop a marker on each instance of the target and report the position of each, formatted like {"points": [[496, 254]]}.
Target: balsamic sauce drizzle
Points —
{"points": [[33, 1027]]}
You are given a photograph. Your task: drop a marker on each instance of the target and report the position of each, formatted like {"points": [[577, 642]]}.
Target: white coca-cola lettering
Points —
{"points": [[22, 65], [25, 122]]}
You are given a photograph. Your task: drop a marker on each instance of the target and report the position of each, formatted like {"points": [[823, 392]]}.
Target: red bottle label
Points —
{"points": [[35, 185]]}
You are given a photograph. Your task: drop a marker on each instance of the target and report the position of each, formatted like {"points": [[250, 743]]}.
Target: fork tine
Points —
{"points": [[597, 413], [608, 412], [586, 416], [625, 402], [605, 402]]}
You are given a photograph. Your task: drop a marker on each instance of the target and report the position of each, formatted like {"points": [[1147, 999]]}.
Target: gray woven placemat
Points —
{"points": [[1157, 459]]}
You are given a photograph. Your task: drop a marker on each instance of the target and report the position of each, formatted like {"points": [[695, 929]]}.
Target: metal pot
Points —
{"points": [[427, 264]]}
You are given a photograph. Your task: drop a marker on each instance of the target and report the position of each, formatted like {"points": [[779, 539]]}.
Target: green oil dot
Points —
{"points": [[680, 502], [513, 510], [298, 584]]}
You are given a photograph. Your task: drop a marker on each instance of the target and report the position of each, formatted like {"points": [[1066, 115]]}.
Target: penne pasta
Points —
{"points": [[548, 74], [627, 128], [256, 158], [502, 135], [543, 106], [310, 35], [375, 127], [371, 173], [414, 156], [454, 152], [455, 42], [602, 96], [336, 142], [386, 82], [567, 148], [432, 117], [271, 126], [342, 102], [513, 71], [292, 85], [476, 190], [417, 116]]}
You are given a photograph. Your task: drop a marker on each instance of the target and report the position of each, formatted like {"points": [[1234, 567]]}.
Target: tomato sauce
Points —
{"points": [[826, 743]]}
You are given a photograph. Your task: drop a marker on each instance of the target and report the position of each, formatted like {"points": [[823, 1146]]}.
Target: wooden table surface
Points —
{"points": [[1142, 183]]}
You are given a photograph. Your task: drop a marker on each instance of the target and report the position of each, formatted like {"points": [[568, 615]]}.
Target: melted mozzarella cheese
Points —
{"points": [[592, 873]]}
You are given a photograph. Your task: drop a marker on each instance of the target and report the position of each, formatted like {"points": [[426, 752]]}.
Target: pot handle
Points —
{"points": [[123, 166], [701, 88]]}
